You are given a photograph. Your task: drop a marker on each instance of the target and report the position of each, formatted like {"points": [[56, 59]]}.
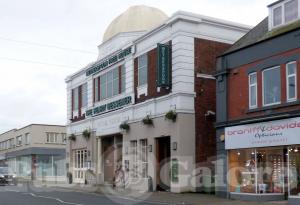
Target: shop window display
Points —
{"points": [[258, 171]]}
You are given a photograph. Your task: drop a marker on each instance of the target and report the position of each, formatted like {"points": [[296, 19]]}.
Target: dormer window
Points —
{"points": [[283, 12]]}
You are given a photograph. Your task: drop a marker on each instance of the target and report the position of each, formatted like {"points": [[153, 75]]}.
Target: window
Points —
{"points": [[285, 12], [109, 84], [80, 157], [144, 158], [96, 89], [52, 137], [19, 140], [84, 95], [134, 157], [253, 90], [12, 143], [142, 70], [256, 171], [291, 11], [123, 78], [80, 94], [277, 16], [271, 86], [64, 138], [27, 139], [76, 98], [291, 73]]}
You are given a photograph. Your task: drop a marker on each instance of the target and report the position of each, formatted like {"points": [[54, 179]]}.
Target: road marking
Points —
{"points": [[48, 197]]}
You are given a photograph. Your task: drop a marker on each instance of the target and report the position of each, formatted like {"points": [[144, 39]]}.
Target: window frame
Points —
{"points": [[263, 87], [140, 67], [143, 154], [249, 87], [288, 99], [283, 16]]}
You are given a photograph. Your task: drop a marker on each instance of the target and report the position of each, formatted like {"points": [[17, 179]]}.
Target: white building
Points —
{"points": [[146, 68]]}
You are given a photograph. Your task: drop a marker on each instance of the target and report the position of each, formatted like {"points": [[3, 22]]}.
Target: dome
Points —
{"points": [[135, 18]]}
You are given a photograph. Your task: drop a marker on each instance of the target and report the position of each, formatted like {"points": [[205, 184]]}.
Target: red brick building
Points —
{"points": [[258, 124]]}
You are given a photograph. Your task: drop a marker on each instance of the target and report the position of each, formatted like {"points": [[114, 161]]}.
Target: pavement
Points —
{"points": [[54, 194]]}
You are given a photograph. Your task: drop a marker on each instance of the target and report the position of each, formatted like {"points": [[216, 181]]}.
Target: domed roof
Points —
{"points": [[135, 18]]}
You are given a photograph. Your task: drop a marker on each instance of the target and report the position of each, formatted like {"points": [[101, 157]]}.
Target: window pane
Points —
{"points": [[277, 16], [291, 10], [270, 168], [242, 171], [142, 69], [103, 87], [116, 87], [76, 96], [84, 95], [272, 86], [96, 89], [292, 87], [143, 76], [123, 79], [253, 79], [291, 68], [253, 96]]}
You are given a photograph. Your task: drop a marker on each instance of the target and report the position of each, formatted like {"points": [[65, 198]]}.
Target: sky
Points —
{"points": [[42, 42]]}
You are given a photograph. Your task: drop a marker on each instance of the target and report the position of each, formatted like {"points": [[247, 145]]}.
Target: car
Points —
{"points": [[7, 178]]}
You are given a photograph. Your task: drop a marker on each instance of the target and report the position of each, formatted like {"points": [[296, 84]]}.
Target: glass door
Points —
{"points": [[294, 170]]}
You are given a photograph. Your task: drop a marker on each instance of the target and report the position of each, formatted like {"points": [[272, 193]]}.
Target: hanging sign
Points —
{"points": [[163, 65]]}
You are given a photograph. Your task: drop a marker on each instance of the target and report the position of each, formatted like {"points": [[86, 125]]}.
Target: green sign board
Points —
{"points": [[101, 65], [163, 65], [174, 170], [109, 106]]}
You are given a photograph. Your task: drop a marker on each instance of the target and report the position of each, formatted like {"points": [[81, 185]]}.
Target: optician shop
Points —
{"points": [[264, 160]]}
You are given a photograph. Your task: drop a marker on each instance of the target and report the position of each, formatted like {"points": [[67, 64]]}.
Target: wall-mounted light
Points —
{"points": [[150, 148], [222, 138], [174, 146]]}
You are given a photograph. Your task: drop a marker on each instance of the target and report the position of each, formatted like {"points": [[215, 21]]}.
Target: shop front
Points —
{"points": [[264, 160]]}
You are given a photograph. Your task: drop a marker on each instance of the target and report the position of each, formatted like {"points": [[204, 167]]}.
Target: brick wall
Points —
{"points": [[205, 62], [238, 91], [152, 77]]}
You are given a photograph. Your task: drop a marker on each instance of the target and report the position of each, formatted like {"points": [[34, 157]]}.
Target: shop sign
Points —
{"points": [[163, 65], [108, 62], [109, 106], [274, 133]]}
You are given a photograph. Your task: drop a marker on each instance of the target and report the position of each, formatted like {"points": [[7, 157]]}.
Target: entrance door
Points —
{"points": [[108, 159], [163, 154], [294, 171]]}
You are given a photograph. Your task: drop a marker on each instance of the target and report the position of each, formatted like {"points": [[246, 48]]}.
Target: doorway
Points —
{"points": [[163, 154], [112, 156]]}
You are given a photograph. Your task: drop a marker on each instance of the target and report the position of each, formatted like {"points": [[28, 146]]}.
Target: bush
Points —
{"points": [[72, 137], [124, 126], [86, 134]]}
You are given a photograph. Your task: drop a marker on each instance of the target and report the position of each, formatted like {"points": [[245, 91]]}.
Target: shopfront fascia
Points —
{"points": [[264, 160]]}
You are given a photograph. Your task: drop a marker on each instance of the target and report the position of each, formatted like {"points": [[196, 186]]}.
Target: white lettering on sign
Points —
{"points": [[274, 133]]}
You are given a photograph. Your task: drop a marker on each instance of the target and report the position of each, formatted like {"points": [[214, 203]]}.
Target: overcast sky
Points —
{"points": [[43, 41]]}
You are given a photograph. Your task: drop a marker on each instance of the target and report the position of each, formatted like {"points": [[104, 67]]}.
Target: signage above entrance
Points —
{"points": [[102, 65], [109, 107], [274, 133]]}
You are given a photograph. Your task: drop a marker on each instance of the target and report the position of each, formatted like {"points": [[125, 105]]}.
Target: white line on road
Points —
{"points": [[48, 197]]}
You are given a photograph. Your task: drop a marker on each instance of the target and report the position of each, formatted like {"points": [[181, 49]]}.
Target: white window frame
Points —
{"points": [[104, 75], [142, 153], [140, 67], [287, 82], [49, 138], [27, 139], [19, 139], [283, 22], [252, 85], [263, 89]]}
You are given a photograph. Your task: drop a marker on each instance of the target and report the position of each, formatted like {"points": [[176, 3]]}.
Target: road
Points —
{"points": [[29, 195]]}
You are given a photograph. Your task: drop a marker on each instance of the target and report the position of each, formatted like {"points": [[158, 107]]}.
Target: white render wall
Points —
{"points": [[182, 29]]}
